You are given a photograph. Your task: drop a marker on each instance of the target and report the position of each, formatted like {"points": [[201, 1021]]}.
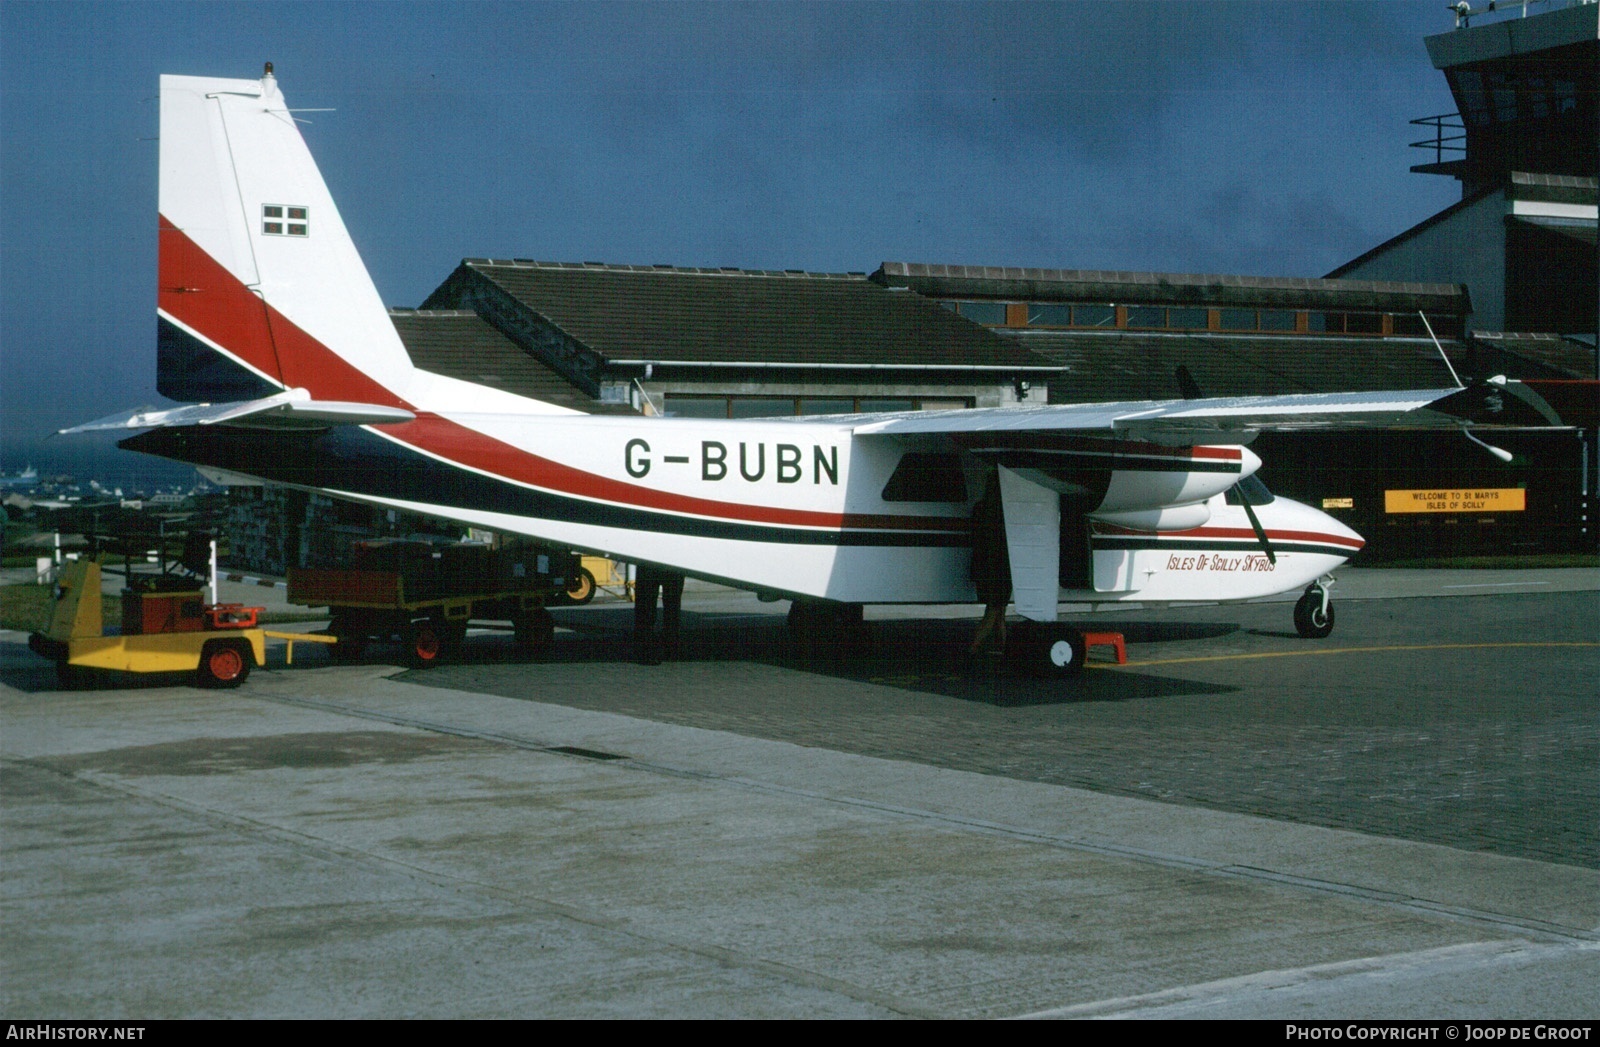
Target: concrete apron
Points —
{"points": [[332, 843]]}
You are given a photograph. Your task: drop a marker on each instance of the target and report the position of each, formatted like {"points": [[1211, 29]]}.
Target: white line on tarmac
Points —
{"points": [[1490, 585], [1259, 987]]}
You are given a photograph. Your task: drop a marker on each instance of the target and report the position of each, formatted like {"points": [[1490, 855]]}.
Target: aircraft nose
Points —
{"points": [[1338, 529]]}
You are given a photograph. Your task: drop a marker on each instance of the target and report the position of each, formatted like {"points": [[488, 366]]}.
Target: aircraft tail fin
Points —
{"points": [[260, 288]]}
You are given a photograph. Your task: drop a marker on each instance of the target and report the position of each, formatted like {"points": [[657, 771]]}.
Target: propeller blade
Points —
{"points": [[1187, 385], [1255, 524]]}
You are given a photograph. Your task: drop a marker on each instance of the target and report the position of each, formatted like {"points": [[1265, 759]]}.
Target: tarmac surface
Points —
{"points": [[1402, 820]]}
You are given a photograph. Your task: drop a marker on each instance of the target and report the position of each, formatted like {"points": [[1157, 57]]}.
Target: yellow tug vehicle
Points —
{"points": [[166, 627]]}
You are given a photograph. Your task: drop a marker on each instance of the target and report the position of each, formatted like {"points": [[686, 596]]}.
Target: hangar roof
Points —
{"points": [[1536, 355], [1120, 365], [460, 344], [661, 314], [1058, 285]]}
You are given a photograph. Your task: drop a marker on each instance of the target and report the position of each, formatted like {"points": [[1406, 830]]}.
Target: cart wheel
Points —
{"points": [[352, 641], [72, 677], [349, 648], [534, 631], [425, 645], [223, 665], [582, 589]]}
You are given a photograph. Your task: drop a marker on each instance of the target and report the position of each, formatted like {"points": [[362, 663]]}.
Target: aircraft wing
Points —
{"points": [[1229, 419], [290, 409]]}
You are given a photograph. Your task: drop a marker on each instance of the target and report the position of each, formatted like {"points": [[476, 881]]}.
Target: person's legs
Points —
{"points": [[646, 589]]}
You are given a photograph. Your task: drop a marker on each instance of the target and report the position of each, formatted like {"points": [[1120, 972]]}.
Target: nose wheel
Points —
{"points": [[1313, 612]]}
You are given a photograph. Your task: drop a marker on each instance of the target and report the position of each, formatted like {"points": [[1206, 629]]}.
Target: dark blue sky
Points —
{"points": [[1237, 137]]}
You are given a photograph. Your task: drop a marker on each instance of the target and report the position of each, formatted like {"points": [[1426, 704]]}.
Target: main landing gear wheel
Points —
{"points": [[826, 628], [1313, 614], [534, 631], [1047, 650], [223, 665]]}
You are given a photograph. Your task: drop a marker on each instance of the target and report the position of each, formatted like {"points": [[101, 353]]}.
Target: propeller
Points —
{"points": [[1255, 525], [1187, 385]]}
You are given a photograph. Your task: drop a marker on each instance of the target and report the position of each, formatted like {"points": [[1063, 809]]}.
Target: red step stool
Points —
{"points": [[1106, 640]]}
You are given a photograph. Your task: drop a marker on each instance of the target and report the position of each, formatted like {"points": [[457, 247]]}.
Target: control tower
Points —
{"points": [[1525, 90], [1525, 144]]}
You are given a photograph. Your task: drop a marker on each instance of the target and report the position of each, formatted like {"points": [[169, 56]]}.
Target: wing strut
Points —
{"points": [[1033, 536]]}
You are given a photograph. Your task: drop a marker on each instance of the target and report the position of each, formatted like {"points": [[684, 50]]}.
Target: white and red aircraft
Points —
{"points": [[266, 310]]}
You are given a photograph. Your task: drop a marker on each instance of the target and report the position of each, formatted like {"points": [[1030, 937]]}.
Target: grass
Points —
{"points": [[26, 608]]}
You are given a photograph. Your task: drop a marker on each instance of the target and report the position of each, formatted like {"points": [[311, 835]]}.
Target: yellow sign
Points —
{"points": [[1457, 500], [1338, 503]]}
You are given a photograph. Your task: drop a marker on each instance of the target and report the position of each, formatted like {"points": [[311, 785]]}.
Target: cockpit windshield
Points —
{"points": [[1253, 489]]}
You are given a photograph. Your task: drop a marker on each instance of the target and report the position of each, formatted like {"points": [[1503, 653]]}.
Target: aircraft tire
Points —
{"points": [[1310, 620], [1052, 651]]}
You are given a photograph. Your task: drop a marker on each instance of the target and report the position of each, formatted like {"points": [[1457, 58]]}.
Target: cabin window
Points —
{"points": [[927, 477]]}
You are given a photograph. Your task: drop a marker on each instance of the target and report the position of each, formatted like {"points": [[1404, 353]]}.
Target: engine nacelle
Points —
{"points": [[1170, 518], [1144, 489]]}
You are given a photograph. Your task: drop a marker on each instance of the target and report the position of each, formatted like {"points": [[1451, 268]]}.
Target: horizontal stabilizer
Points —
{"points": [[291, 409]]}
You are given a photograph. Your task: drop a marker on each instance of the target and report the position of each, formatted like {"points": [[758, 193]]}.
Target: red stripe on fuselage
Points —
{"points": [[467, 447], [203, 295], [1233, 532]]}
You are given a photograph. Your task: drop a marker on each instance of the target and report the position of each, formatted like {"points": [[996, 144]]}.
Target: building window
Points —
{"points": [[826, 405], [691, 405], [1094, 316], [1347, 323], [1170, 318], [696, 406], [1041, 314], [760, 407], [992, 314]]}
